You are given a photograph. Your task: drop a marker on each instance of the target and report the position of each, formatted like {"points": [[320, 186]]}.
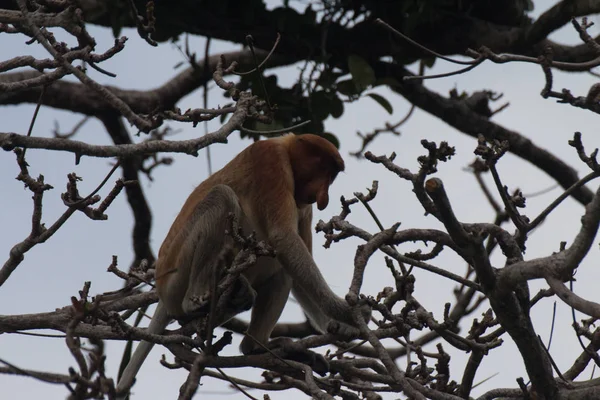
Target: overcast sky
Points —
{"points": [[82, 249]]}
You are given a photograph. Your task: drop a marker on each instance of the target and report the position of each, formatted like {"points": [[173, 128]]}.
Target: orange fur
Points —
{"points": [[269, 177], [270, 186]]}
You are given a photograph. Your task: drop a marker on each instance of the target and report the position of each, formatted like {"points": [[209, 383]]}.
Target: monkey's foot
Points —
{"points": [[316, 361], [286, 348]]}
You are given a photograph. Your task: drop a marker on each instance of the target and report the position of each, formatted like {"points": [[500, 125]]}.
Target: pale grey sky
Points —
{"points": [[82, 249]]}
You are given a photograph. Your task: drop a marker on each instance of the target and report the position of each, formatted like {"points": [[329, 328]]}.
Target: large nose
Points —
{"points": [[322, 198]]}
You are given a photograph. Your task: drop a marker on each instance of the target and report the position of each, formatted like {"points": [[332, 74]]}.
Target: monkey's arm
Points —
{"points": [[313, 312], [295, 258], [305, 228], [279, 219]]}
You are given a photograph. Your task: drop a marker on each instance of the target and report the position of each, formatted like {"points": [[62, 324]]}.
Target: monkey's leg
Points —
{"points": [[272, 294], [211, 248], [270, 301]]}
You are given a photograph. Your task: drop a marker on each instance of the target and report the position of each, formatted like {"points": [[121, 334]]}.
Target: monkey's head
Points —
{"points": [[315, 163]]}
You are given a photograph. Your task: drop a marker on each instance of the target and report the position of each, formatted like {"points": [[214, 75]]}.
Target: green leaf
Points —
{"points": [[336, 107], [328, 78], [428, 61], [387, 81], [287, 20], [332, 138], [383, 102], [347, 87], [310, 14], [320, 105], [529, 5], [223, 117], [273, 126], [116, 23], [362, 73]]}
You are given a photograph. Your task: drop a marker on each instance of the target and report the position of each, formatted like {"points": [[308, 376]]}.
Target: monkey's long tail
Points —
{"points": [[157, 326]]}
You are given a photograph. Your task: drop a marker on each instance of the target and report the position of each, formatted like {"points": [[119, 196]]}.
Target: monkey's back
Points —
{"points": [[246, 170]]}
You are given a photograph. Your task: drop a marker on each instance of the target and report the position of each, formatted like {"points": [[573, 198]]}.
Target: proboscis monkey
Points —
{"points": [[270, 187]]}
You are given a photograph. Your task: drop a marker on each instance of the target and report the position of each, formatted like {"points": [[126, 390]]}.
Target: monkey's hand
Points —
{"points": [[347, 329]]}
